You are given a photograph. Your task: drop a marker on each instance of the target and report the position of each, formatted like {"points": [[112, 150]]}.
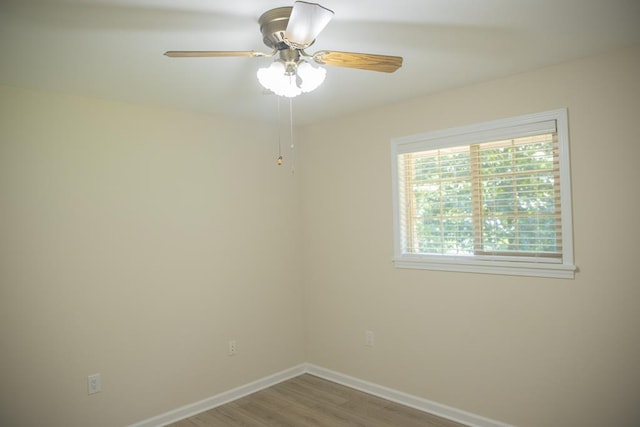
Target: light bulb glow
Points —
{"points": [[290, 80]]}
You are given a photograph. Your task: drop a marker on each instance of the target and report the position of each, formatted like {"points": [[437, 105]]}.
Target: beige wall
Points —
{"points": [[136, 242], [528, 351]]}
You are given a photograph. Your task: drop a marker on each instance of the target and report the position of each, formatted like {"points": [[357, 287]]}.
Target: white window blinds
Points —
{"points": [[500, 197]]}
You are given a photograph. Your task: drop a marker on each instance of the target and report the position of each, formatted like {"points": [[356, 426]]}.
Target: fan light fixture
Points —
{"points": [[289, 31], [290, 79]]}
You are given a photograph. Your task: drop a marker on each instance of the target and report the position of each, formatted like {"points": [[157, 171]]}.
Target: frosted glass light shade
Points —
{"points": [[311, 77], [307, 20], [275, 78], [290, 83]]}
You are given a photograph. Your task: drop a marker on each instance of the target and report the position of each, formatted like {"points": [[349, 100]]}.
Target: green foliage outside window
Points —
{"points": [[491, 198]]}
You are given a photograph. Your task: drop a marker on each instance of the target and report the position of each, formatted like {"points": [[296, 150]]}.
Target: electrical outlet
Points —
{"points": [[368, 338], [94, 383], [233, 348]]}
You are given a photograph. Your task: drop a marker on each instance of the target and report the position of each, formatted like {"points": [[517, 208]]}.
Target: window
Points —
{"points": [[490, 198]]}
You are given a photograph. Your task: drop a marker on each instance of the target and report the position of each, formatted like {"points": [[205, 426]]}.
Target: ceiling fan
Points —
{"points": [[289, 31]]}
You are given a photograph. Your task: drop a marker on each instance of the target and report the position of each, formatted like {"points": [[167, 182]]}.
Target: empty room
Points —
{"points": [[268, 213]]}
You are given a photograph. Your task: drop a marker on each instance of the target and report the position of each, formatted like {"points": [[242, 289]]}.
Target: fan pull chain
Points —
{"points": [[279, 159], [293, 169]]}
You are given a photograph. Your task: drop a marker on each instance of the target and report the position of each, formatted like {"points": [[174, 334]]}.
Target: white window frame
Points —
{"points": [[474, 134]]}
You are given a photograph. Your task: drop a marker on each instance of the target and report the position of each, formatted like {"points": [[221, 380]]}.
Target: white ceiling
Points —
{"points": [[114, 49]]}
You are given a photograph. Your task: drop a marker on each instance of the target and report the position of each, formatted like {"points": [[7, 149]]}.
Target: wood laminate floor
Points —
{"points": [[309, 401]]}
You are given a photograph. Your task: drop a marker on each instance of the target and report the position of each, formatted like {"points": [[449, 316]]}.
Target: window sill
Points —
{"points": [[474, 265]]}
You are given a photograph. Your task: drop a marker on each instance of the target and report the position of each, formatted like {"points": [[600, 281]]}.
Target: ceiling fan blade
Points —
{"points": [[362, 61], [307, 20], [212, 53]]}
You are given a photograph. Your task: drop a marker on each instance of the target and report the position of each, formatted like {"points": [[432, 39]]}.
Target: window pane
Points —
{"points": [[519, 196], [441, 212], [516, 202]]}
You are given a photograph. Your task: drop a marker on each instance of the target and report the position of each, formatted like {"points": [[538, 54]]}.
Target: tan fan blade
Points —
{"points": [[362, 61], [212, 53]]}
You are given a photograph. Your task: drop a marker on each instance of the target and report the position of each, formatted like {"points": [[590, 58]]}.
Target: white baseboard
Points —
{"points": [[419, 403], [220, 399]]}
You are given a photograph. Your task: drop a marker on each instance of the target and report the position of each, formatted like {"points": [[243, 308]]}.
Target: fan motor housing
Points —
{"points": [[273, 24]]}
